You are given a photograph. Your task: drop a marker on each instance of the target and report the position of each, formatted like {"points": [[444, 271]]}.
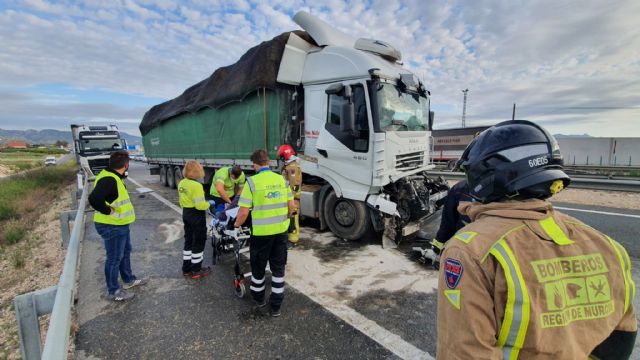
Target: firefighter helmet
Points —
{"points": [[285, 152], [515, 158]]}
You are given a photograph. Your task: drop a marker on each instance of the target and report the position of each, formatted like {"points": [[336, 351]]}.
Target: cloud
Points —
{"points": [[570, 65]]}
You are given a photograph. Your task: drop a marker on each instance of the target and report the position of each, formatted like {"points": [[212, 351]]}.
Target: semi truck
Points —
{"points": [[94, 144], [449, 144], [359, 121]]}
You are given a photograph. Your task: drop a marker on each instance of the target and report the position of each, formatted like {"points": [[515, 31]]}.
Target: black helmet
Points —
{"points": [[514, 158]]}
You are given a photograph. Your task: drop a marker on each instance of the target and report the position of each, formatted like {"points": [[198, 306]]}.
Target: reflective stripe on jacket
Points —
{"points": [[123, 208], [191, 195], [267, 195], [524, 281]]}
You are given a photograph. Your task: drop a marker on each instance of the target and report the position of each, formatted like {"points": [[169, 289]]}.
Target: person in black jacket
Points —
{"points": [[114, 213], [451, 220]]}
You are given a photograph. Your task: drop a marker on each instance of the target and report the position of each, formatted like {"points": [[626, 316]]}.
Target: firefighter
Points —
{"points": [[293, 175], [271, 204], [523, 280], [194, 207], [227, 183]]}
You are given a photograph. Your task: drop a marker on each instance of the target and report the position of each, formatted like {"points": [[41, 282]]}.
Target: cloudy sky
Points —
{"points": [[573, 66]]}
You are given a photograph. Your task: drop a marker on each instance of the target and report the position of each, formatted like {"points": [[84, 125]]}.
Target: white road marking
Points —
{"points": [[163, 200], [598, 212], [370, 328]]}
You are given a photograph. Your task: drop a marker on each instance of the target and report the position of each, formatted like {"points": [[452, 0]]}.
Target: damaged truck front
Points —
{"points": [[366, 138], [359, 122]]}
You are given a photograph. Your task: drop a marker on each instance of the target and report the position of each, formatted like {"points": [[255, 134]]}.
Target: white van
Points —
{"points": [[50, 160]]}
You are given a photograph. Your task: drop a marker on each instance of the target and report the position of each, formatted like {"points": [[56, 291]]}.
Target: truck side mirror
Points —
{"points": [[432, 116], [348, 116], [334, 89]]}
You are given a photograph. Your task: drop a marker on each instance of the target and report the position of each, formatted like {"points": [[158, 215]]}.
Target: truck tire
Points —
{"points": [[163, 175], [171, 180], [348, 219], [177, 175]]}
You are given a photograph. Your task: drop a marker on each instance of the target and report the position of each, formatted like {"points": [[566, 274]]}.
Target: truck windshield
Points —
{"points": [[98, 145], [401, 111]]}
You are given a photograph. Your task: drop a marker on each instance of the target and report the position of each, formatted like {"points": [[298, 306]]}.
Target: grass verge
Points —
{"points": [[22, 196]]}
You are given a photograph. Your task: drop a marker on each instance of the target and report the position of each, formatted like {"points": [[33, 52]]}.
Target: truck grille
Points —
{"points": [[98, 165], [409, 161]]}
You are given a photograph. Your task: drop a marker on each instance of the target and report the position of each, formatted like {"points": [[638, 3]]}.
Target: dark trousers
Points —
{"points": [[117, 243], [195, 236], [271, 249]]}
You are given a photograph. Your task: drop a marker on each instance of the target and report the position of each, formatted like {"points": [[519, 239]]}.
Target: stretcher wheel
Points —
{"points": [[240, 288]]}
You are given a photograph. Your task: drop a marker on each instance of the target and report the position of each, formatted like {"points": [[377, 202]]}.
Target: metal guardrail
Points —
{"points": [[576, 182], [56, 300]]}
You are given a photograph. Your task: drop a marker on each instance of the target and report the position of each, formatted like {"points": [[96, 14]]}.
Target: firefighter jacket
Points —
{"points": [[267, 195], [292, 173], [191, 195], [523, 280], [123, 213]]}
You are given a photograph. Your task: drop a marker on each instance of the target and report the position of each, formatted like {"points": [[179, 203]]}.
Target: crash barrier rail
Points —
{"points": [[56, 300], [577, 182]]}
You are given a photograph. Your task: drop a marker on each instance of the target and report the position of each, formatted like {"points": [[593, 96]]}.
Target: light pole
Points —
{"points": [[464, 107]]}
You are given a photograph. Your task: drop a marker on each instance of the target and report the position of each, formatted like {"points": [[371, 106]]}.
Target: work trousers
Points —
{"points": [[270, 249], [117, 243], [195, 236], [294, 228]]}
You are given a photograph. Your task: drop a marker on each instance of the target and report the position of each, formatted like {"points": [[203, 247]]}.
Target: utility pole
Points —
{"points": [[464, 107], [513, 114]]}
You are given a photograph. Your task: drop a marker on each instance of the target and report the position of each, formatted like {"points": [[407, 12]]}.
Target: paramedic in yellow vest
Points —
{"points": [[524, 280], [227, 183], [293, 175], [271, 202], [114, 213], [194, 206]]}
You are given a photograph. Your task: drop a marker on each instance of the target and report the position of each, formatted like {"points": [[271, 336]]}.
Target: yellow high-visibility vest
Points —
{"points": [[267, 195], [191, 195], [123, 214]]}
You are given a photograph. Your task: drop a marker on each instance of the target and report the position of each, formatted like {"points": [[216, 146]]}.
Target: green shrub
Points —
{"points": [[18, 259], [14, 231], [7, 211]]}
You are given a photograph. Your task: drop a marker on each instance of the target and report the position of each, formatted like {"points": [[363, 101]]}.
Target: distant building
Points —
{"points": [[17, 144]]}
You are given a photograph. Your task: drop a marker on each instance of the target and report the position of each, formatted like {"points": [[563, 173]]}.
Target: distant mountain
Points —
{"points": [[572, 136], [50, 136]]}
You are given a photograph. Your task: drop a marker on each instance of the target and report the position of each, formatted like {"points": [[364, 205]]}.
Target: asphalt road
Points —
{"points": [[343, 300]]}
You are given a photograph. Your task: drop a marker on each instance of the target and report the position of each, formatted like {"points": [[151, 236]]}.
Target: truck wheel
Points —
{"points": [[348, 219], [171, 180], [177, 175], [163, 175]]}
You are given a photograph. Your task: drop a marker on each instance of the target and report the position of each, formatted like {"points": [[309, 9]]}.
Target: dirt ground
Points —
{"points": [[4, 170], [43, 258], [614, 199]]}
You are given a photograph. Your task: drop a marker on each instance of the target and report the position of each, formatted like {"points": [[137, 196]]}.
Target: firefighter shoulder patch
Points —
{"points": [[452, 272]]}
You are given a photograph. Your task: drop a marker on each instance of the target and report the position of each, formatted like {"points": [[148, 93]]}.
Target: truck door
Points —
{"points": [[345, 149]]}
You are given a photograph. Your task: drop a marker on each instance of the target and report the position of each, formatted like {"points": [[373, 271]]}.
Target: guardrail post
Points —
{"points": [[74, 199], [65, 232], [28, 308]]}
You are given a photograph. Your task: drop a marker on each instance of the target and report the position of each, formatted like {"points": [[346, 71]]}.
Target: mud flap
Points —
{"points": [[390, 234]]}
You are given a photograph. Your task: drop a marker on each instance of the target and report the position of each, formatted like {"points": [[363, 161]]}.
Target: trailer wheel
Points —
{"points": [[163, 175], [348, 219], [171, 180], [177, 175]]}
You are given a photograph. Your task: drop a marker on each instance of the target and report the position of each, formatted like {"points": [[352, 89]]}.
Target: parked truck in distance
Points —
{"points": [[449, 144], [93, 145], [358, 120]]}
